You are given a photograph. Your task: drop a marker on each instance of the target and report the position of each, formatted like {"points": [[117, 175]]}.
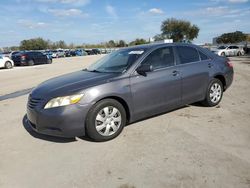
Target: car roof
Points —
{"points": [[155, 45]]}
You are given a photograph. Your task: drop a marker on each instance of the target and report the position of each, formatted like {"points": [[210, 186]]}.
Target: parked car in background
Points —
{"points": [[229, 51], [61, 53], [57, 53], [67, 53], [6, 54], [125, 86], [96, 51], [89, 52], [48, 54], [31, 58], [6, 62], [14, 53], [80, 52]]}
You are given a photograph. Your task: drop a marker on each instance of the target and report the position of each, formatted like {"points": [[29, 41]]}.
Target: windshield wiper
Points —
{"points": [[91, 70]]}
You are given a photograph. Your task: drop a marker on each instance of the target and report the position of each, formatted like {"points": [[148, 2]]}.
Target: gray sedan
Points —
{"points": [[125, 86]]}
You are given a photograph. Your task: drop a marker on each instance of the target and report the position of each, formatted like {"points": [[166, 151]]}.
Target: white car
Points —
{"points": [[6, 62], [229, 51]]}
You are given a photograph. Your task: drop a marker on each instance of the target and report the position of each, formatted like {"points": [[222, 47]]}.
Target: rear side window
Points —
{"points": [[187, 54], [160, 58], [203, 56]]}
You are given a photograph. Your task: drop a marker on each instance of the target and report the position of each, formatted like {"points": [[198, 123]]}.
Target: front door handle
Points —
{"points": [[210, 65], [175, 73]]}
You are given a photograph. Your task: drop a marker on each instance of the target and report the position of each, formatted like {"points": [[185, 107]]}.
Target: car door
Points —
{"points": [[159, 90], [231, 51], [194, 74], [43, 58], [236, 50], [34, 57]]}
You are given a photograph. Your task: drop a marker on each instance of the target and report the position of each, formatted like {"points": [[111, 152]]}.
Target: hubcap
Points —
{"points": [[108, 121], [8, 65], [215, 93]]}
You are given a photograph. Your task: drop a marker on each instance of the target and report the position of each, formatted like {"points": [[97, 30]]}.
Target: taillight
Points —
{"points": [[229, 64], [23, 57]]}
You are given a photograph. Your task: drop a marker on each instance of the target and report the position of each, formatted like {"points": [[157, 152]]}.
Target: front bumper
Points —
{"points": [[67, 121]]}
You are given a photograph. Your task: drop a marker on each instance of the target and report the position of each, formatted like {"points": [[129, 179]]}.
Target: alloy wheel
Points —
{"points": [[215, 93]]}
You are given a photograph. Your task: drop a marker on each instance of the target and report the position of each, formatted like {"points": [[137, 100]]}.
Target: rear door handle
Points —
{"points": [[175, 73]]}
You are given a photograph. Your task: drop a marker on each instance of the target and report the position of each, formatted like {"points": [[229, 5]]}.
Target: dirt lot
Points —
{"points": [[191, 147]]}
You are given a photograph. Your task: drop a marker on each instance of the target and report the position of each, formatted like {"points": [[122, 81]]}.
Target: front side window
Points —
{"points": [[187, 54], [203, 56], [118, 61], [160, 58]]}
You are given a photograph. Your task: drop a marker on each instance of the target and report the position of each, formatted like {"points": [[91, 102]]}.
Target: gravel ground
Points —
{"points": [[193, 146]]}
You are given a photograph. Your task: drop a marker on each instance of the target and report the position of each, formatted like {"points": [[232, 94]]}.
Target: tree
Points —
{"points": [[121, 43], [138, 41], [111, 43], [234, 37], [177, 30], [34, 44], [248, 38]]}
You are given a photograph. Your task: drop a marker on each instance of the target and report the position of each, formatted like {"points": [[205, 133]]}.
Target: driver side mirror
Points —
{"points": [[144, 68]]}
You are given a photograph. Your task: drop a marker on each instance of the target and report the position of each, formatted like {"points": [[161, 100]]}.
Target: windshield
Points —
{"points": [[118, 61], [222, 47]]}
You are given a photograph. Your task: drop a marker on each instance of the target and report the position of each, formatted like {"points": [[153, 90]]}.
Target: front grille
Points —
{"points": [[33, 102]]}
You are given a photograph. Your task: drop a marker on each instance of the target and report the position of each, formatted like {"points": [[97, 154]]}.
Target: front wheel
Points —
{"points": [[214, 93], [105, 120]]}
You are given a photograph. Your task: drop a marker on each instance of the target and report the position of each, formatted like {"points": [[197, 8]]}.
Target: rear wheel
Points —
{"points": [[223, 54], [239, 54], [8, 65], [49, 61], [214, 93], [105, 120]]}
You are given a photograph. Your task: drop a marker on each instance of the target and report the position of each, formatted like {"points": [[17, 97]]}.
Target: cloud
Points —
{"points": [[111, 11], [230, 1], [67, 12], [156, 11], [222, 11], [31, 24], [71, 2], [238, 1]]}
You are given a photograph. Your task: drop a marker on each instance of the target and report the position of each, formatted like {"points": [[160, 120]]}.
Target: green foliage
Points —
{"points": [[233, 37], [121, 43], [34, 44], [111, 44], [138, 41], [177, 30]]}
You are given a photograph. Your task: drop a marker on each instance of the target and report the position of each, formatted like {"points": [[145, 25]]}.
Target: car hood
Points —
{"points": [[70, 83]]}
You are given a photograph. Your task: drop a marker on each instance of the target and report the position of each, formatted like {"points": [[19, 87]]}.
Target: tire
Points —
{"points": [[214, 93], [100, 117], [49, 61], [239, 54], [223, 54], [30, 62], [8, 65]]}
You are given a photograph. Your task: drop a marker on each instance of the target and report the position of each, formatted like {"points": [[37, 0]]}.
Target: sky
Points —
{"points": [[95, 21]]}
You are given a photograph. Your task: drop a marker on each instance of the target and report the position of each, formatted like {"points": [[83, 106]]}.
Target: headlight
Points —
{"points": [[63, 101]]}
